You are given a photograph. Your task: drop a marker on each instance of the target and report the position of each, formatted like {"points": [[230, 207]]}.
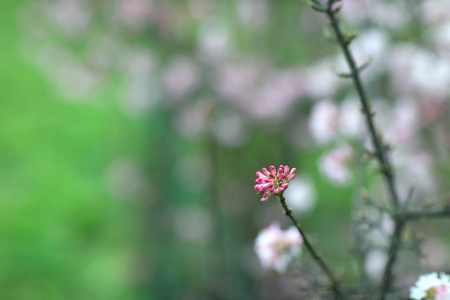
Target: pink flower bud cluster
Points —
{"points": [[273, 182]]}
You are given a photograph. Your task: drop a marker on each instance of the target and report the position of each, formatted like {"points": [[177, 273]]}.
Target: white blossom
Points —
{"points": [[431, 286], [276, 248]]}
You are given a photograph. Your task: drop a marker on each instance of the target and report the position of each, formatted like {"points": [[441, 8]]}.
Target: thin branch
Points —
{"points": [[335, 287], [380, 152], [442, 213]]}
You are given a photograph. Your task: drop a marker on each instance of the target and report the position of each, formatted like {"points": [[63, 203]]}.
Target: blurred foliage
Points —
{"points": [[98, 204]]}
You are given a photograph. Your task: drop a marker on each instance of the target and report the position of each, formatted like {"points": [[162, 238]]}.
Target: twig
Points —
{"points": [[380, 153], [411, 216], [335, 287]]}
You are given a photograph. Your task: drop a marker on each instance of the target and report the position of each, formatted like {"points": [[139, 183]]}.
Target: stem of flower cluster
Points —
{"points": [[335, 287]]}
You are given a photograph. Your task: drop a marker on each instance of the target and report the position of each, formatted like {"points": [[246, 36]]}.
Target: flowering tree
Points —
{"points": [[274, 183], [195, 71]]}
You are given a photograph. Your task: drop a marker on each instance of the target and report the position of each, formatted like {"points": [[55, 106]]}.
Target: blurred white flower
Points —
{"points": [[335, 164], [134, 12], [431, 286], [430, 75], [389, 14], [415, 168], [137, 62], [320, 80], [300, 195], [276, 248], [375, 263], [191, 120], [437, 252], [328, 120], [252, 14], [351, 121], [180, 78], [275, 95], [193, 224], [441, 37], [70, 17], [229, 129], [435, 12], [324, 121], [214, 39], [195, 172], [404, 122], [138, 96]]}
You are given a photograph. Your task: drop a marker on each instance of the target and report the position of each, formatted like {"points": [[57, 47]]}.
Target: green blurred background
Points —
{"points": [[100, 205]]}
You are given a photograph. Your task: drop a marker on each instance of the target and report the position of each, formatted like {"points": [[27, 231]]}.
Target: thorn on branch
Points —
{"points": [[330, 37], [316, 6], [365, 65], [349, 37], [369, 153], [342, 74], [337, 9]]}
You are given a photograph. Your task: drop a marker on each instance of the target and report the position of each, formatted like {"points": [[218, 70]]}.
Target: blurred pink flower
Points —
{"points": [[351, 121], [327, 121], [320, 81], [276, 248], [134, 12], [374, 263], [435, 12], [192, 120], [69, 17], [324, 121], [273, 182], [301, 195], [335, 164], [214, 39], [180, 77], [405, 122]]}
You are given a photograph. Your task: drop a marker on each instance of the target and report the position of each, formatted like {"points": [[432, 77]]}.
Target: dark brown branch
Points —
{"points": [[380, 151], [335, 287], [442, 213]]}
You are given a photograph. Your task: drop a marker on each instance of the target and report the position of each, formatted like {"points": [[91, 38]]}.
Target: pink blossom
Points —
{"points": [[374, 263], [180, 77], [276, 248], [134, 12], [301, 195], [335, 164], [328, 120], [273, 182], [324, 121]]}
